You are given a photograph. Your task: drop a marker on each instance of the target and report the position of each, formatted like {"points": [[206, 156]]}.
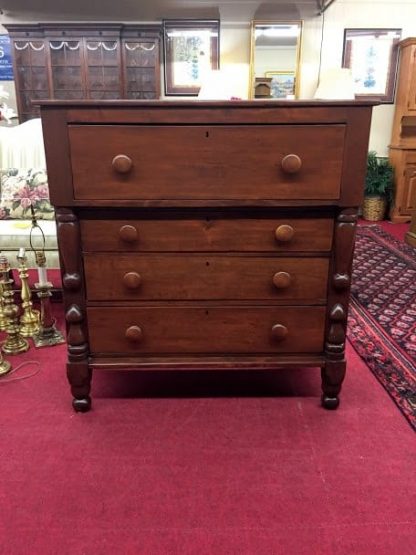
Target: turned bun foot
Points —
{"points": [[82, 405], [330, 403]]}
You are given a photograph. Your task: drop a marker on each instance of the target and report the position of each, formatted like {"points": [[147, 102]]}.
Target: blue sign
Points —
{"points": [[6, 65]]}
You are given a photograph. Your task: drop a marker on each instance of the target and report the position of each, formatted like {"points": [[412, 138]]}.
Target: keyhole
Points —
{"points": [[207, 263], [207, 134]]}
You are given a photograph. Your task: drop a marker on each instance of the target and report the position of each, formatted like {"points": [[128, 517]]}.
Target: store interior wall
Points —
{"points": [[322, 40]]}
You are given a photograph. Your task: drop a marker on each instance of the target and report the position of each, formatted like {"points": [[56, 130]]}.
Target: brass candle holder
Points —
{"points": [[5, 366], [14, 342], [47, 335], [3, 320], [29, 320]]}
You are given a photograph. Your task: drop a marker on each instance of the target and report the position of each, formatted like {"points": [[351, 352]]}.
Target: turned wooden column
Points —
{"points": [[78, 372], [333, 372]]}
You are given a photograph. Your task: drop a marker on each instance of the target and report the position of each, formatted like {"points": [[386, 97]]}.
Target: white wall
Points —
{"points": [[235, 46], [400, 14], [344, 14]]}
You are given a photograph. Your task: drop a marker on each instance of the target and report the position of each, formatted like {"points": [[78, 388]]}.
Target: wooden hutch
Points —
{"points": [[403, 142], [79, 61]]}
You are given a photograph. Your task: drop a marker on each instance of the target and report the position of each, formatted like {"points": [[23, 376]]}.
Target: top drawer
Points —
{"points": [[288, 162]]}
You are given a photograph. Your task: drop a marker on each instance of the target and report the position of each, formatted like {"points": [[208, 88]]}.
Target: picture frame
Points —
{"points": [[372, 57], [282, 83], [191, 51], [6, 63]]}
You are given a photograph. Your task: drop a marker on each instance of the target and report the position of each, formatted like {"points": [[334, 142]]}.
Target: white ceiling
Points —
{"points": [[154, 10]]}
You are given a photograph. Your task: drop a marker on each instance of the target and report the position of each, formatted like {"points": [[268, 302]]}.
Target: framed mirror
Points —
{"points": [[275, 59]]}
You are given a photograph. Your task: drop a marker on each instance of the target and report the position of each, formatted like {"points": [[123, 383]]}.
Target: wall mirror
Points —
{"points": [[275, 59]]}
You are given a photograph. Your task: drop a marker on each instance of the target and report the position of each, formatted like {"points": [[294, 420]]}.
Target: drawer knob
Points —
{"points": [[291, 163], [284, 233], [281, 280], [128, 233], [134, 334], [132, 280], [279, 332], [122, 163]]}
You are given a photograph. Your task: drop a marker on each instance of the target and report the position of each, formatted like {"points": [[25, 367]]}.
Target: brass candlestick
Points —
{"points": [[29, 321], [14, 342], [47, 335], [5, 366], [3, 320]]}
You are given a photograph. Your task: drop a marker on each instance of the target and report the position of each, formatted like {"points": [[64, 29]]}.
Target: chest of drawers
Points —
{"points": [[199, 235]]}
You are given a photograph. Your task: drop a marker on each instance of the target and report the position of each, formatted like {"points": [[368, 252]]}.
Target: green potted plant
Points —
{"points": [[378, 190]]}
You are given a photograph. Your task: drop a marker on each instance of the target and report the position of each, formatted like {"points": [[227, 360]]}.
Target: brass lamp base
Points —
{"points": [[47, 337], [5, 367], [29, 323], [14, 345], [3, 322]]}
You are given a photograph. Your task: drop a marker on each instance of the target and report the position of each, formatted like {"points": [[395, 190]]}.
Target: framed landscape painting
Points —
{"points": [[372, 55], [282, 83]]}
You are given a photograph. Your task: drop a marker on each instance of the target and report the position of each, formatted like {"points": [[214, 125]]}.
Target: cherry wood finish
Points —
{"points": [[184, 277], [78, 369], [206, 329], [209, 235], [205, 162]]}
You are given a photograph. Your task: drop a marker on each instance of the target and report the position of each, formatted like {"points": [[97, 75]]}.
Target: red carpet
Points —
{"points": [[203, 463], [382, 322], [397, 230]]}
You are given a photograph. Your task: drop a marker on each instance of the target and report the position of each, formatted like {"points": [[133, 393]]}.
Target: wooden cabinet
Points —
{"points": [[206, 235], [403, 141], [404, 162], [84, 61], [410, 236]]}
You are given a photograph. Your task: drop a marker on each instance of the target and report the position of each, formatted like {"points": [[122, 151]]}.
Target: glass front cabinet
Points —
{"points": [[84, 61]]}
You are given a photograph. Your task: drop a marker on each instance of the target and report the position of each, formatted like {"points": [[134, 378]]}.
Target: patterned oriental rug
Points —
{"points": [[382, 319]]}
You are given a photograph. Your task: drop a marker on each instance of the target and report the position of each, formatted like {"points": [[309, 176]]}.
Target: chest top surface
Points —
{"points": [[192, 153]]}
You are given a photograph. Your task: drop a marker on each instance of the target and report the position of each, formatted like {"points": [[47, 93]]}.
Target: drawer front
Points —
{"points": [[206, 329], [206, 162], [179, 277], [208, 234]]}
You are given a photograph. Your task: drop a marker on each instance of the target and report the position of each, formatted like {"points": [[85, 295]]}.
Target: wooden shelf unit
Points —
{"points": [[403, 141], [84, 61]]}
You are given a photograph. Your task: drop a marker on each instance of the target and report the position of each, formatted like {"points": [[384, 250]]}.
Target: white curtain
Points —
{"points": [[22, 147]]}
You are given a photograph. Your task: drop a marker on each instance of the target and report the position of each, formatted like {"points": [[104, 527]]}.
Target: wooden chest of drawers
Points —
{"points": [[206, 234]]}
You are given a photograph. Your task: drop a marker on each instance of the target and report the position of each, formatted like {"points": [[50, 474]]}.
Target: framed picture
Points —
{"points": [[372, 56], [6, 65], [282, 83], [191, 51]]}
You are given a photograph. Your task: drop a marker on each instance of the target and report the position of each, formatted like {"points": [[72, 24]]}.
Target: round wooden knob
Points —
{"points": [[279, 332], [291, 163], [281, 280], [284, 233], [134, 334], [128, 233], [132, 280], [122, 163]]}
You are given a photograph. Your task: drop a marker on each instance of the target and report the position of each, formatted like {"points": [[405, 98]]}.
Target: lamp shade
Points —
{"points": [[227, 83], [336, 84]]}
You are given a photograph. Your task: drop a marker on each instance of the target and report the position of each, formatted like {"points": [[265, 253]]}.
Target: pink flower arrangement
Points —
{"points": [[20, 191]]}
